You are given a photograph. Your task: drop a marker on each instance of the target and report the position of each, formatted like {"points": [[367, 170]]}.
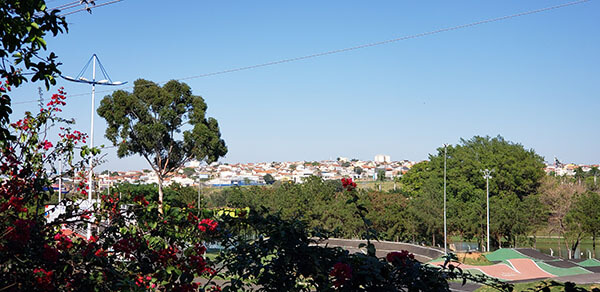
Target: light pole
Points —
{"points": [[60, 163], [106, 81], [445, 226], [486, 174]]}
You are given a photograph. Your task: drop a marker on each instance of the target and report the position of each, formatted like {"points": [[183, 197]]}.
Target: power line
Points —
{"points": [[363, 46], [62, 7], [67, 5], [91, 7]]}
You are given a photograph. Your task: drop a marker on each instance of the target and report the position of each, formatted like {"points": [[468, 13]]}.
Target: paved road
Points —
{"points": [[468, 287], [580, 279], [422, 253]]}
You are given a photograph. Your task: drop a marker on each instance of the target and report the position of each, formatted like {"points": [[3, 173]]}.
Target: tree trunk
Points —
{"points": [[559, 249], [594, 243], [160, 195], [574, 247], [433, 238]]}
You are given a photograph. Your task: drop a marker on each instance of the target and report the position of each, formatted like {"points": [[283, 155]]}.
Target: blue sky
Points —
{"points": [[533, 79]]}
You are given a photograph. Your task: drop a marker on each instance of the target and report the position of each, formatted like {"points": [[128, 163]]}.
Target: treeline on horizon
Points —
{"points": [[523, 199]]}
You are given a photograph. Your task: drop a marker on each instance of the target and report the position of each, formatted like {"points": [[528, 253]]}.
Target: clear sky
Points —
{"points": [[533, 79]]}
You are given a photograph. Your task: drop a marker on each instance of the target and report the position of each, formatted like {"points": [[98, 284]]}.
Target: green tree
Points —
{"points": [[149, 122], [584, 216], [381, 174], [413, 180], [558, 194], [518, 173], [189, 171], [579, 174], [23, 27], [269, 179], [593, 174], [358, 170]]}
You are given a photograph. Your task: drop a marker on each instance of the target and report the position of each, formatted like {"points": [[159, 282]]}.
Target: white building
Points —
{"points": [[380, 158]]}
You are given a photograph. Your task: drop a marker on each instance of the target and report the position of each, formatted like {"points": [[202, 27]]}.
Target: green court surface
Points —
{"points": [[504, 254], [562, 271], [475, 272], [440, 259], [590, 263]]}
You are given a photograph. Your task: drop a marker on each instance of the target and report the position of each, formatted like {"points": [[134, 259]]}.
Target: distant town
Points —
{"points": [[231, 174]]}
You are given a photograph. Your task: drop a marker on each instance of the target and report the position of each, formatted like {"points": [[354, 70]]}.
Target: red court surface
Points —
{"points": [[522, 269]]}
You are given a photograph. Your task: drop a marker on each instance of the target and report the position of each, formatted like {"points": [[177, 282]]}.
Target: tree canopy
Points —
{"points": [[517, 175], [166, 125], [23, 26]]}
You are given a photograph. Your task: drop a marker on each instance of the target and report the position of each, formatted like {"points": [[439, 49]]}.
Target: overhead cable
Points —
{"points": [[363, 46]]}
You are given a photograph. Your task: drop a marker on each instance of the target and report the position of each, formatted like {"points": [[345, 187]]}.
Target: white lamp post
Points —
{"points": [[445, 226], [106, 81], [487, 176]]}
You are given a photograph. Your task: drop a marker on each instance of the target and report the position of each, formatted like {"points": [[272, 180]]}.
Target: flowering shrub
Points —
{"points": [[348, 184], [207, 224], [341, 273], [165, 253]]}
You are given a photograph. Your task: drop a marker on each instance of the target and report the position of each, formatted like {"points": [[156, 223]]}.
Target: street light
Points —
{"points": [[445, 226], [106, 81], [486, 174]]}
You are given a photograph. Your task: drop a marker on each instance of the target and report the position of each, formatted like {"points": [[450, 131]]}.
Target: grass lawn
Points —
{"points": [[212, 254], [475, 259]]}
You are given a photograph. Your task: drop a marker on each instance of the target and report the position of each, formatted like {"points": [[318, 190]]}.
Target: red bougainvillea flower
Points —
{"points": [[141, 200], [215, 288], [14, 202], [46, 145], [21, 232], [100, 253], [63, 241], [348, 184], [342, 273], [400, 258], [207, 224], [166, 255], [127, 246], [142, 281], [187, 287], [43, 278], [50, 254]]}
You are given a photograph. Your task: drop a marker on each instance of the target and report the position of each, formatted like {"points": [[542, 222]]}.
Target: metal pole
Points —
{"points": [[488, 212], [445, 226], [91, 162], [198, 195], [487, 176], [59, 179]]}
